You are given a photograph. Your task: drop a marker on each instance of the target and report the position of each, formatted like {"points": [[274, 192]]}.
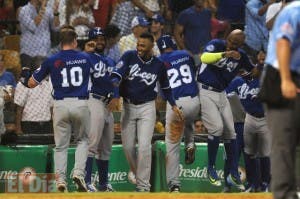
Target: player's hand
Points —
{"points": [[288, 89], [178, 112], [233, 54], [90, 46], [113, 104]]}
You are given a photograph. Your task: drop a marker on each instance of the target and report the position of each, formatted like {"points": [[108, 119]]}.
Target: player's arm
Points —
{"points": [[39, 74], [215, 57]]}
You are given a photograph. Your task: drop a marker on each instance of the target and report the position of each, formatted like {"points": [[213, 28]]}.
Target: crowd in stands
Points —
{"points": [[36, 23]]}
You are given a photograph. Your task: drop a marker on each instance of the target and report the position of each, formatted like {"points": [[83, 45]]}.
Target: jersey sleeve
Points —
{"points": [[42, 72], [121, 67], [232, 87], [285, 26]]}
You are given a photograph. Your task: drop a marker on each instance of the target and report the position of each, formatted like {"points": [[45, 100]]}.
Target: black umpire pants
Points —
{"points": [[284, 123]]}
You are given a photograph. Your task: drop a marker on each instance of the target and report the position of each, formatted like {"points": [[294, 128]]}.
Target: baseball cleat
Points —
{"points": [[175, 189], [213, 177], [190, 154], [61, 187], [131, 177], [80, 183], [235, 181], [91, 188], [106, 188]]}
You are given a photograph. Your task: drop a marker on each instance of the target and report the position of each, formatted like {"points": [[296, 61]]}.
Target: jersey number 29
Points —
{"points": [[184, 71], [75, 75]]}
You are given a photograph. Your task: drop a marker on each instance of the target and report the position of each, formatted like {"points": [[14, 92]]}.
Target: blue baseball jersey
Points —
{"points": [[181, 72], [69, 71], [101, 71], [139, 78], [286, 26], [220, 74], [247, 90]]}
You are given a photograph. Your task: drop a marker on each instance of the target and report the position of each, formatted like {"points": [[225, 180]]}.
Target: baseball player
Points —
{"points": [[137, 74], [102, 122], [239, 115], [70, 73], [181, 73], [257, 137], [221, 61]]}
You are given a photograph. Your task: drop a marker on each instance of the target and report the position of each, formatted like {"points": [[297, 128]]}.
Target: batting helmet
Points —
{"points": [[166, 41], [95, 32]]}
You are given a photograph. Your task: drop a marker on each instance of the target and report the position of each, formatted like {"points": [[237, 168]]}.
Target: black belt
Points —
{"points": [[192, 96], [135, 102], [210, 88], [257, 115], [79, 98], [101, 97]]}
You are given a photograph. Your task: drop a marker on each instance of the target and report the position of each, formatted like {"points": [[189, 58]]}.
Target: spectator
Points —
{"points": [[199, 127], [6, 15], [219, 28], [256, 31], [123, 15], [7, 108], [231, 10], [102, 11], [192, 29], [34, 108], [139, 25], [157, 26], [147, 8], [35, 20], [79, 15], [112, 49], [273, 11]]}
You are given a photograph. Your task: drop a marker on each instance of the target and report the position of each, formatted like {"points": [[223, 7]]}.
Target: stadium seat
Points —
{"points": [[12, 42], [11, 60]]}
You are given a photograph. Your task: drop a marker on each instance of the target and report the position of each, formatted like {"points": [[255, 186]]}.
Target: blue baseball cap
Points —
{"points": [[166, 41], [139, 21], [158, 18], [95, 32]]}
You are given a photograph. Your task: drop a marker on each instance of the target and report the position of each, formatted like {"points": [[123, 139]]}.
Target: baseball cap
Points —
{"points": [[158, 18], [139, 21], [166, 41], [96, 31]]}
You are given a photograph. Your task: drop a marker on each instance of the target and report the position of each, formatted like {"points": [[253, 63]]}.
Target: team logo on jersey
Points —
{"points": [[101, 68], [58, 63], [287, 28], [135, 71], [245, 90], [210, 47], [119, 64]]}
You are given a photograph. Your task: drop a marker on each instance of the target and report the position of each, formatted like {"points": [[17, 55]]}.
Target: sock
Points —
{"points": [[226, 171], [103, 172], [265, 169], [251, 165], [212, 149], [88, 170], [232, 156]]}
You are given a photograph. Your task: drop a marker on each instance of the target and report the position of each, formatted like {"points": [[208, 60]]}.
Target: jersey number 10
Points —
{"points": [[75, 76]]}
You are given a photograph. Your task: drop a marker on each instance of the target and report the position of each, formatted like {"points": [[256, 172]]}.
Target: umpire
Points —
{"points": [[280, 91]]}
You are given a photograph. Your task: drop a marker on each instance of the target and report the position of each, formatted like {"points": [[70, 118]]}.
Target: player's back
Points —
{"points": [[69, 71], [181, 71]]}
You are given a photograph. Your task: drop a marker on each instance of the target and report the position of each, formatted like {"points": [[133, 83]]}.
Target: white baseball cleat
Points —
{"points": [[131, 177]]}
